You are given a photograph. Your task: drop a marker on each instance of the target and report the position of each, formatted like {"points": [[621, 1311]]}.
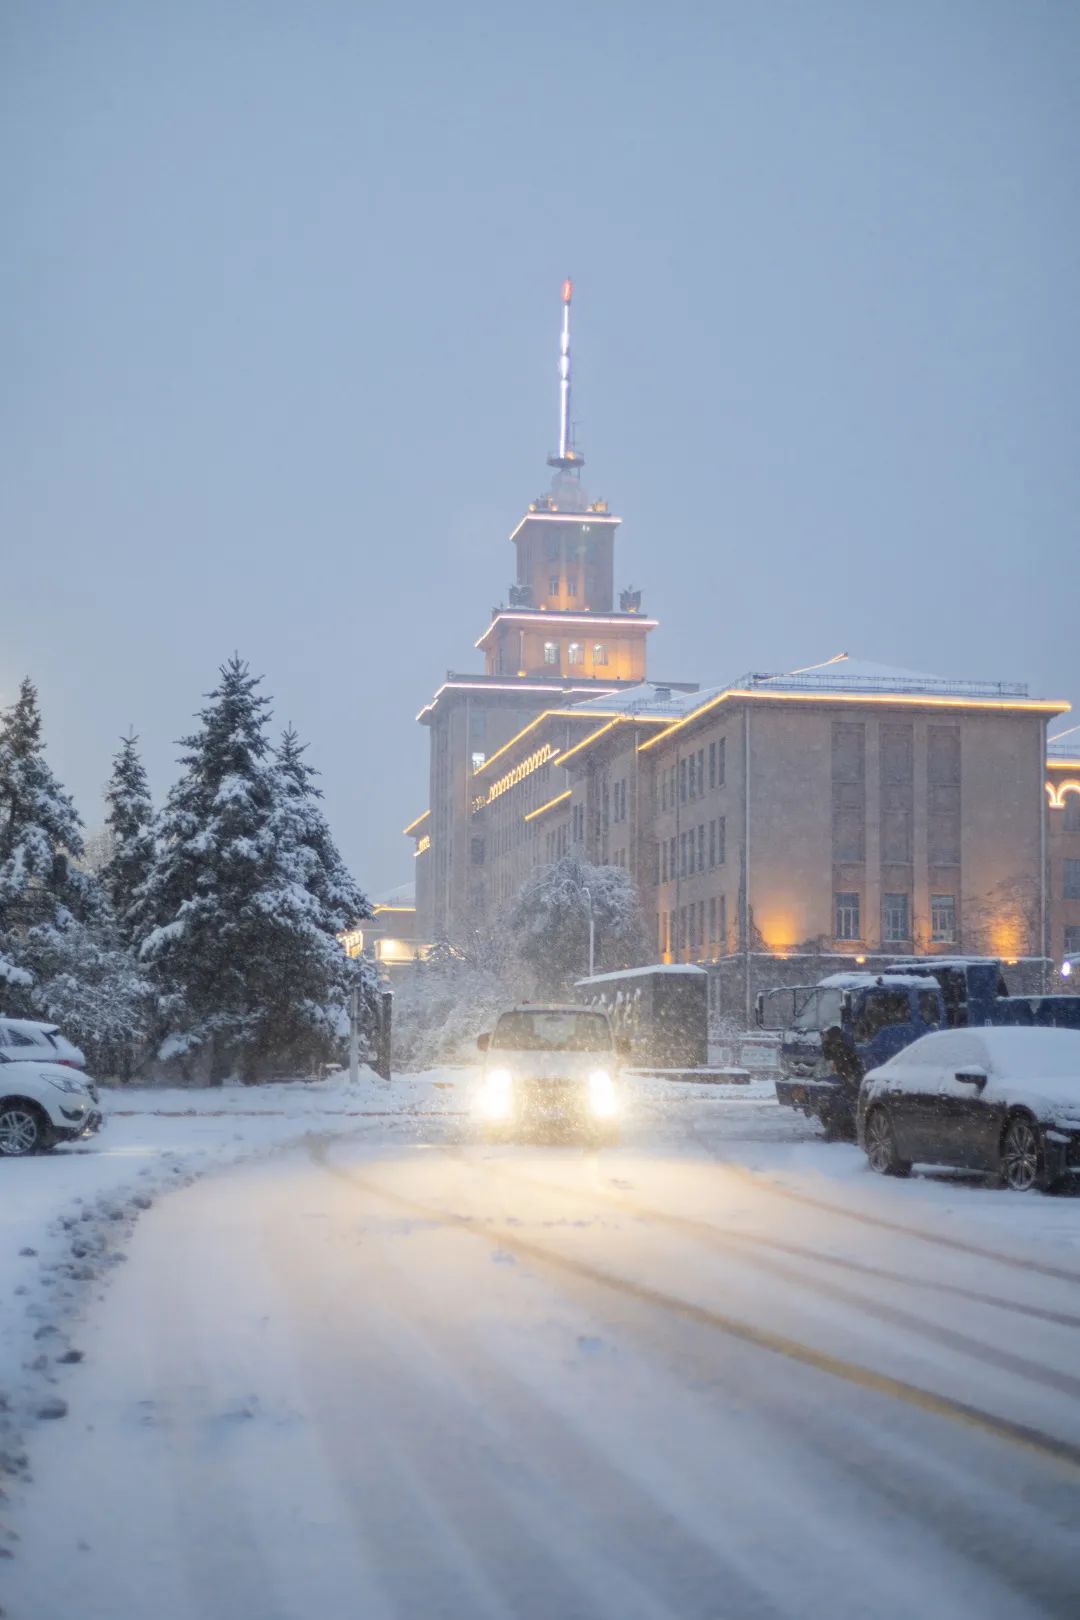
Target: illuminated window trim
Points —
{"points": [[517, 773], [906, 700], [377, 911], [548, 714], [1057, 792]]}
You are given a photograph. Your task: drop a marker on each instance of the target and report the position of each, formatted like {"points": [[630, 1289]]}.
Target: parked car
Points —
{"points": [[1003, 1100], [42, 1104], [552, 1066], [24, 1037]]}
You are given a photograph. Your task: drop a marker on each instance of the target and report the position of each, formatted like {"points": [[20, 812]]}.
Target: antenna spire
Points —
{"points": [[566, 455]]}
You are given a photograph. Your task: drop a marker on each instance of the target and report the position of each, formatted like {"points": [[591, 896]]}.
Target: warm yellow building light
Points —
{"points": [[414, 824], [924, 700], [560, 798], [422, 848], [352, 942]]}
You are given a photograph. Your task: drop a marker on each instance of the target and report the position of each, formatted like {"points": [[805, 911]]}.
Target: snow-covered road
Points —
{"points": [[718, 1371]]}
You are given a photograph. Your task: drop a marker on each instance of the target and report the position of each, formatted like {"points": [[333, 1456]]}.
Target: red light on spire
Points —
{"points": [[567, 290]]}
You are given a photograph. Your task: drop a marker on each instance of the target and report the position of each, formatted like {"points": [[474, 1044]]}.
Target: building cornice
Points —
{"points": [[856, 700], [550, 616]]}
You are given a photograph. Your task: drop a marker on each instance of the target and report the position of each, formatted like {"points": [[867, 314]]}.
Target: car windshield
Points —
{"points": [[552, 1032], [815, 1009]]}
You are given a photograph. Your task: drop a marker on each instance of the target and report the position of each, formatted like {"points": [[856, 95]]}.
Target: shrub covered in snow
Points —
{"points": [[550, 919]]}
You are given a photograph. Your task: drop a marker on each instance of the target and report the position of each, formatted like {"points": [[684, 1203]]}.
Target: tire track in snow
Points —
{"points": [[721, 1242], [851, 1372]]}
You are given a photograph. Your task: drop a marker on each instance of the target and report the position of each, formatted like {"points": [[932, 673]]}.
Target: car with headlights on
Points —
{"points": [[554, 1067], [1005, 1100], [42, 1104]]}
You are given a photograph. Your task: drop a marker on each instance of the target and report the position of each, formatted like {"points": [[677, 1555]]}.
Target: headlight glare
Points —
{"points": [[498, 1093], [601, 1093]]}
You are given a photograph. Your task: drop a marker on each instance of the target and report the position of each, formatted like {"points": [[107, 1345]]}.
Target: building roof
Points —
{"points": [[403, 895], [650, 697], [1064, 748], [848, 679]]}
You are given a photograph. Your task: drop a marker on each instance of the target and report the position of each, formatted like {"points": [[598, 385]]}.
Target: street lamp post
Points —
{"points": [[592, 931]]}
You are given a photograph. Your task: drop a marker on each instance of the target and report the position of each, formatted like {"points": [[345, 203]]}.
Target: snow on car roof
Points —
{"points": [[29, 1025], [550, 1007]]}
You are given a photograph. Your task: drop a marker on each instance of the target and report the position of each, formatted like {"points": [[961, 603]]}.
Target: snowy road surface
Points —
{"points": [[719, 1371]]}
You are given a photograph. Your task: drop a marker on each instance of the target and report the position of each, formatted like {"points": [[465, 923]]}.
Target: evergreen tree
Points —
{"points": [[230, 918], [40, 837], [304, 830], [130, 833], [59, 950]]}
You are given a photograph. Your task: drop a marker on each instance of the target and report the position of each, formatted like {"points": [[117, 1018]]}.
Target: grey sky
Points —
{"points": [[279, 313]]}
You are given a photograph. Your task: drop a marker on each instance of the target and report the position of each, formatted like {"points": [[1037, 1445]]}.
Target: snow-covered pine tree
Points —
{"points": [[40, 838], [130, 833], [550, 918], [324, 874], [250, 974], [64, 961]]}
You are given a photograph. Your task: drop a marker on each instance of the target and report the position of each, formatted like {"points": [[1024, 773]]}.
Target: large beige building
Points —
{"points": [[774, 826], [846, 812]]}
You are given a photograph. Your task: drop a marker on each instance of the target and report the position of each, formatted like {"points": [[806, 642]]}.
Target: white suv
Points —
{"points": [[552, 1065], [26, 1038], [43, 1103]]}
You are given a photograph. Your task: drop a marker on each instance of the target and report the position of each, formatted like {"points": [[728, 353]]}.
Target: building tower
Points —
{"points": [[557, 640]]}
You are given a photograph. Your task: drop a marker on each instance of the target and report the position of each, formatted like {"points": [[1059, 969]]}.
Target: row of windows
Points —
{"points": [[575, 652], [688, 852], [693, 926], [896, 918], [687, 780]]}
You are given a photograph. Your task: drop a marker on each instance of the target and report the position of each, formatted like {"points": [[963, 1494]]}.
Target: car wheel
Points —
{"points": [[881, 1146], [1023, 1164], [22, 1129]]}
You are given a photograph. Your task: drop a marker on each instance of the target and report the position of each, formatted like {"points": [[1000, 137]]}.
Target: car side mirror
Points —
{"points": [[622, 1045], [972, 1075], [483, 1042]]}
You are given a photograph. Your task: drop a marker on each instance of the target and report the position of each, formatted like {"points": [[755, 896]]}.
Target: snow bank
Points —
{"points": [[65, 1217]]}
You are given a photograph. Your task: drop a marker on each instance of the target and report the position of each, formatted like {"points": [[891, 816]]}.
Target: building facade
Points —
{"points": [[777, 827], [1063, 841]]}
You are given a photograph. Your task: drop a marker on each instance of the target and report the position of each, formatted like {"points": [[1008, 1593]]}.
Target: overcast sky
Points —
{"points": [[279, 311]]}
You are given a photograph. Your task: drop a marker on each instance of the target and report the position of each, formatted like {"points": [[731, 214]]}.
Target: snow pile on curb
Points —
{"points": [[66, 1217]]}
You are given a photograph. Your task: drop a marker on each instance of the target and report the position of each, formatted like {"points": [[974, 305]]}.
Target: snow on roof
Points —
{"points": [[863, 981], [640, 972], [403, 895], [862, 675], [647, 698], [1064, 745]]}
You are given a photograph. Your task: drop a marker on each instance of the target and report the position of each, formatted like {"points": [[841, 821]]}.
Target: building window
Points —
{"points": [[477, 760], [553, 585], [721, 840], [847, 916], [1071, 888], [712, 764], [551, 652], [1071, 819], [701, 770], [721, 761], [712, 919], [576, 653], [943, 919], [682, 781], [599, 653], [701, 847], [712, 843], [895, 923], [1072, 939], [682, 854]]}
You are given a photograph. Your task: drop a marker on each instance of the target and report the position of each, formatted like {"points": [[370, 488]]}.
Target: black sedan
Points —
{"points": [[1003, 1100]]}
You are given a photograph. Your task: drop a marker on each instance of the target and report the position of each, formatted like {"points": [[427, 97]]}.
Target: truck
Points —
{"points": [[836, 1031]]}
